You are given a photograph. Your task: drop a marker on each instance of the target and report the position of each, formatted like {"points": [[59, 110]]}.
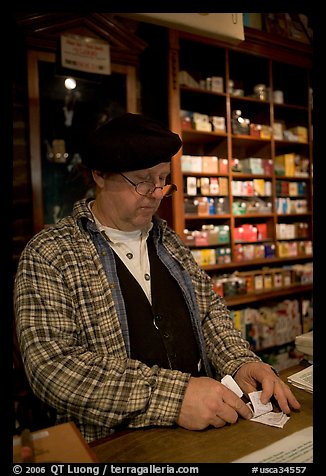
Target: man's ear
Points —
{"points": [[98, 177]]}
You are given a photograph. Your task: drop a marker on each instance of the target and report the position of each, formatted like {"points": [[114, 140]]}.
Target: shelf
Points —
{"points": [[291, 178], [248, 99], [204, 174], [187, 89], [248, 176], [246, 68], [252, 62], [249, 139], [207, 217], [200, 136], [249, 216], [257, 262], [294, 215], [263, 296], [290, 106]]}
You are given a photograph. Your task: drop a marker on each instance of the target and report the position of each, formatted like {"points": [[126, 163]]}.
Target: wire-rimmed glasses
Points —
{"points": [[148, 188]]}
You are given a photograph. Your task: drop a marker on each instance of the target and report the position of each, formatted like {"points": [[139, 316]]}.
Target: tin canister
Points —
{"points": [[278, 97]]}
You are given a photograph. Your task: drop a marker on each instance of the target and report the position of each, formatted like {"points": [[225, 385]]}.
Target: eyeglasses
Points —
{"points": [[148, 188]]}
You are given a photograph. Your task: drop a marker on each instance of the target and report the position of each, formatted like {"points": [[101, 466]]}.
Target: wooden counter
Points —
{"points": [[222, 445]]}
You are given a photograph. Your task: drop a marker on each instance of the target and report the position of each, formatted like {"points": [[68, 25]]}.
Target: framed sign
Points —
{"points": [[82, 53]]}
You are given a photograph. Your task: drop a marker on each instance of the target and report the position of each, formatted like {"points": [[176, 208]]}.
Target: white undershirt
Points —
{"points": [[131, 247]]}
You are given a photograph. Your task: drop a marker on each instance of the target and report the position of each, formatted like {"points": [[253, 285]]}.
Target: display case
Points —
{"points": [[60, 118]]}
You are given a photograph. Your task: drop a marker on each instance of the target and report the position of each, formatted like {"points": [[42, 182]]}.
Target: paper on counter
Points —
{"points": [[262, 413], [303, 379], [296, 448], [304, 343], [258, 407], [277, 419]]}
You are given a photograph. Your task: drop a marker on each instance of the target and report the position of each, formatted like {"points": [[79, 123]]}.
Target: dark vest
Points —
{"points": [[160, 333]]}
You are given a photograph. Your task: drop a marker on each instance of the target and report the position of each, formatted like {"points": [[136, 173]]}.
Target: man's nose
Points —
{"points": [[157, 192]]}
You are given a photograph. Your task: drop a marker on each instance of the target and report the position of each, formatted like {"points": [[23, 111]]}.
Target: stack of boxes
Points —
{"points": [[210, 235], [204, 164], [264, 280], [269, 326], [191, 120]]}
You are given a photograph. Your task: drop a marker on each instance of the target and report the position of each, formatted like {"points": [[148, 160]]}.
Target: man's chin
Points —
{"points": [[144, 219]]}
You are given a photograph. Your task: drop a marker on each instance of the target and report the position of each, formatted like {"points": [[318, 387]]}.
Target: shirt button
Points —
{"points": [[147, 277], [156, 319], [129, 255]]}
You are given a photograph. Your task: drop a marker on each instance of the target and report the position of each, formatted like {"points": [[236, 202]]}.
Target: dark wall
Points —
{"points": [[153, 73], [22, 192]]}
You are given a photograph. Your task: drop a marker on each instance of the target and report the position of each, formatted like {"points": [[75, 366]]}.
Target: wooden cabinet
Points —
{"points": [[59, 118], [244, 174]]}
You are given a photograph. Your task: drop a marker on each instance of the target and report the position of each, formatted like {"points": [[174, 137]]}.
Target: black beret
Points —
{"points": [[130, 142]]}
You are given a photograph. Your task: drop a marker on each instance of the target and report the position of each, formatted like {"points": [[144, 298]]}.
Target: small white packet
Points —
{"points": [[259, 408], [272, 419], [231, 384]]}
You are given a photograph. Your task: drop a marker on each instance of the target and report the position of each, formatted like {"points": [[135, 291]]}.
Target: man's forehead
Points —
{"points": [[157, 169]]}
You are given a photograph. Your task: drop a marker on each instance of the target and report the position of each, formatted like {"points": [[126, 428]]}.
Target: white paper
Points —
{"points": [[231, 384], [262, 413], [259, 408], [277, 419], [296, 448], [303, 379]]}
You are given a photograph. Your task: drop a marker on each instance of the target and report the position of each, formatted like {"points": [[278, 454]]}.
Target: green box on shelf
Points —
{"points": [[223, 234]]}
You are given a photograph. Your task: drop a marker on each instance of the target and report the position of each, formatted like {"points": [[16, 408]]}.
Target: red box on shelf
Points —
{"points": [[249, 232], [238, 233], [262, 231], [223, 166], [201, 238]]}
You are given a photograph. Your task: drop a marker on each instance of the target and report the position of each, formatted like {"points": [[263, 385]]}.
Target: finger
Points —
{"points": [[228, 414], [268, 389], [237, 405], [285, 397], [294, 403], [218, 422], [243, 410]]}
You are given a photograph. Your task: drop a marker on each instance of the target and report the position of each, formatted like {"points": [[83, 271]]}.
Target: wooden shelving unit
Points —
{"points": [[284, 128]]}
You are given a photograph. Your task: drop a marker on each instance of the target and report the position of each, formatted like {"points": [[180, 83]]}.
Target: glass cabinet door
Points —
{"points": [[62, 112]]}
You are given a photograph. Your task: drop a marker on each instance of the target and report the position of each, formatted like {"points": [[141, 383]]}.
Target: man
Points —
{"points": [[117, 324]]}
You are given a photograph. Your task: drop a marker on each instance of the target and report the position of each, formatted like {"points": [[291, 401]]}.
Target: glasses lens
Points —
{"points": [[145, 188]]}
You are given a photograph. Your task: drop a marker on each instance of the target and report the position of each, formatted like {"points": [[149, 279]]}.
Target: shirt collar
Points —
{"points": [[118, 236]]}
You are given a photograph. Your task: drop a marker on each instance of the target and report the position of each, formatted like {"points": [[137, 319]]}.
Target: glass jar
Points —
{"points": [[260, 92]]}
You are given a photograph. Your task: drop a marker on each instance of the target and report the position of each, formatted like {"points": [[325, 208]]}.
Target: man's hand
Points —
{"points": [[208, 402], [254, 376]]}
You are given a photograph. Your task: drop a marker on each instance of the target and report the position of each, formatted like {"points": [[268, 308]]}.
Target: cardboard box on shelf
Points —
{"points": [[209, 164]]}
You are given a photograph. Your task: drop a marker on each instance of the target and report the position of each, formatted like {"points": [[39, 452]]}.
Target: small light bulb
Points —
{"points": [[70, 83]]}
